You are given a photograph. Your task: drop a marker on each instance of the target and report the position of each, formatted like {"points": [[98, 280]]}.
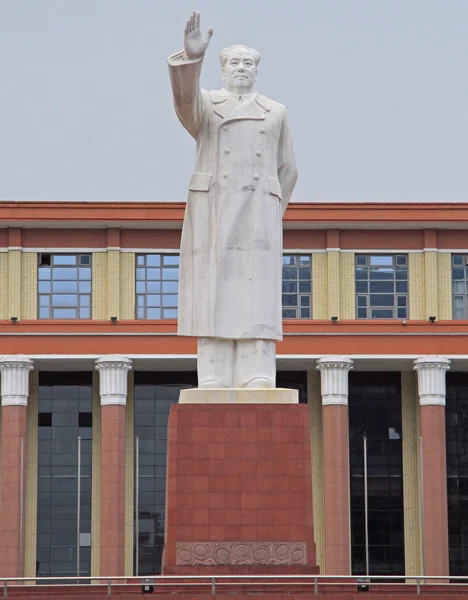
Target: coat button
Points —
{"points": [[261, 130], [256, 176], [225, 175], [258, 153], [226, 151], [225, 128]]}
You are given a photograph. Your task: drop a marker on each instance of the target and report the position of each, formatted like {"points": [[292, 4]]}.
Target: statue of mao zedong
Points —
{"points": [[231, 248]]}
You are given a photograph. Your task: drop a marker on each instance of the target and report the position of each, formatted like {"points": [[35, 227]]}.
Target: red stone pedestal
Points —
{"points": [[239, 493]]}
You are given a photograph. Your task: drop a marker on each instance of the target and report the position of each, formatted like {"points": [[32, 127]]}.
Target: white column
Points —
{"points": [[334, 379], [431, 379], [113, 377], [15, 379]]}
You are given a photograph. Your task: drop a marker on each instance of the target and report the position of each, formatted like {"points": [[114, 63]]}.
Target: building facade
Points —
{"points": [[375, 340]]}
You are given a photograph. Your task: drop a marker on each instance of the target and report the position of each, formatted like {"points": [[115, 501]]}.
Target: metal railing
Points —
{"points": [[224, 584]]}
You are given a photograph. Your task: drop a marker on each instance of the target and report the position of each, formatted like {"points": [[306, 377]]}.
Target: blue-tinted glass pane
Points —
{"points": [[401, 287], [289, 300], [304, 273], [85, 287], [44, 313], [153, 273], [153, 260], [140, 301], [171, 259], [64, 259], [64, 300], [401, 274], [381, 287], [289, 314], [153, 287], [380, 274], [305, 301], [141, 313], [141, 274], [64, 313], [84, 273], [362, 313], [289, 273], [381, 314], [64, 287], [140, 287], [361, 273], [382, 299], [170, 287], [44, 272], [381, 260], [170, 313], [402, 313], [305, 287], [305, 313], [458, 259], [401, 300], [362, 301], [305, 260], [458, 273], [362, 287], [169, 300], [153, 300], [361, 260], [290, 287], [85, 259], [43, 287], [85, 301], [44, 300], [168, 273], [401, 260], [153, 313], [289, 259], [64, 273], [140, 260]]}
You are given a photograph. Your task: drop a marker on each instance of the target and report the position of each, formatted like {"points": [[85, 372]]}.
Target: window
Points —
{"points": [[157, 280], [64, 286], [65, 407], [375, 408], [459, 285], [297, 286], [382, 286]]}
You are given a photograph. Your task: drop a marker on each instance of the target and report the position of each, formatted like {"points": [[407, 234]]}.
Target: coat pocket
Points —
{"points": [[275, 188], [200, 182]]}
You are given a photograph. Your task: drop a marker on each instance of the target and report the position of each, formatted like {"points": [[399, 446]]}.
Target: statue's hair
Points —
{"points": [[225, 51]]}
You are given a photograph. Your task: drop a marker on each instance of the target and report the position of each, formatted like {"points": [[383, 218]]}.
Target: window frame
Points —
{"points": [[399, 311], [161, 293], [87, 296], [298, 308]]}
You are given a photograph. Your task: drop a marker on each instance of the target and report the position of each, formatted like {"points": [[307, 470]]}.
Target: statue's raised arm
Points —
{"points": [[185, 68]]}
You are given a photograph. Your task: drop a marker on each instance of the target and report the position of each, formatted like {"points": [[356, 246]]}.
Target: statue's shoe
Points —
{"points": [[259, 382]]}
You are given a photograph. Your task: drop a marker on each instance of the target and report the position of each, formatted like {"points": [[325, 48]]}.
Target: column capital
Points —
{"points": [[113, 378], [431, 379], [15, 379], [334, 379]]}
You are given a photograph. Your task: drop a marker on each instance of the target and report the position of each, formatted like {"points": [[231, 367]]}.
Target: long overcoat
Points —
{"points": [[231, 248]]}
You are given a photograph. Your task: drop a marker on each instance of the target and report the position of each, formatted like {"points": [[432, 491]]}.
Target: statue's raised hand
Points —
{"points": [[195, 44]]}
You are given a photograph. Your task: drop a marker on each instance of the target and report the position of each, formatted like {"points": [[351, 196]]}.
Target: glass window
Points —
{"points": [[60, 423], [375, 408], [297, 286], [456, 427], [157, 277], [64, 286], [381, 286], [459, 286]]}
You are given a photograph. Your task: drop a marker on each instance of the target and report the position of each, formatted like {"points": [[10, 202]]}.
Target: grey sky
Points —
{"points": [[376, 90]]}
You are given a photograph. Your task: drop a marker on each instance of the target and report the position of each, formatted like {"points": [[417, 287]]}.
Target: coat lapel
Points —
{"points": [[228, 109]]}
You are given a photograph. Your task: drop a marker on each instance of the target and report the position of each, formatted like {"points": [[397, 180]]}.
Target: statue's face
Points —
{"points": [[240, 71]]}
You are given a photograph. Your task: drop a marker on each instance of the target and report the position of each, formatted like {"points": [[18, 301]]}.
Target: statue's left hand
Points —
{"points": [[195, 44]]}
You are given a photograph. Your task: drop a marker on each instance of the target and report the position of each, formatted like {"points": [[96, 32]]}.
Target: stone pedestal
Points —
{"points": [[239, 493]]}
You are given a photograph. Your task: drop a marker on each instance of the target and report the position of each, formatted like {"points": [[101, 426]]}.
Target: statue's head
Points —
{"points": [[239, 64]]}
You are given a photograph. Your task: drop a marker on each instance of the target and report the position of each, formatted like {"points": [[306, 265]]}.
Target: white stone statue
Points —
{"points": [[231, 248]]}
